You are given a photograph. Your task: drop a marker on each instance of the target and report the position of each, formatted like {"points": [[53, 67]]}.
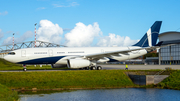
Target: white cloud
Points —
{"points": [[4, 13], [113, 39], [82, 35], [49, 32], [41, 8], [72, 4], [1, 34], [129, 42], [9, 40], [24, 37]]}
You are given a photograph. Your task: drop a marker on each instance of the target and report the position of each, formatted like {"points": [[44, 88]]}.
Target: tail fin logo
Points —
{"points": [[151, 36]]}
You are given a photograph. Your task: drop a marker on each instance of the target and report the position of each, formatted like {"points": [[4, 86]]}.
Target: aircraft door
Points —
{"points": [[50, 52], [23, 53]]}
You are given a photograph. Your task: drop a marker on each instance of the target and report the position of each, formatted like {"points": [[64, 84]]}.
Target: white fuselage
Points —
{"points": [[61, 54]]}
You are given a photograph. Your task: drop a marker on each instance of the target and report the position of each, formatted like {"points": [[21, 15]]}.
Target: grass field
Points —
{"points": [[7, 94], [53, 80], [82, 79], [5, 65], [172, 82], [65, 79]]}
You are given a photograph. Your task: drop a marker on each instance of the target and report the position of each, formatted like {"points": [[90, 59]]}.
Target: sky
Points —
{"points": [[85, 23]]}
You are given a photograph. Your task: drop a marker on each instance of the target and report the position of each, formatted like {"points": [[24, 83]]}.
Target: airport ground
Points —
{"points": [[104, 67], [140, 67], [6, 66]]}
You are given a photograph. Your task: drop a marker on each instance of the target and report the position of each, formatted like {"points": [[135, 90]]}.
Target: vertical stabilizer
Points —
{"points": [[151, 36]]}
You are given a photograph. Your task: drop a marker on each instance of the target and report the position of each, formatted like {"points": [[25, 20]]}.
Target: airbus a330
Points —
{"points": [[81, 57]]}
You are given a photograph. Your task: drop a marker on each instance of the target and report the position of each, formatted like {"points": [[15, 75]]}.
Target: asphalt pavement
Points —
{"points": [[140, 67], [114, 67]]}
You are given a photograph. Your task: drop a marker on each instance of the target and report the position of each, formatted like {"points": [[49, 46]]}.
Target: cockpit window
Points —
{"points": [[11, 53]]}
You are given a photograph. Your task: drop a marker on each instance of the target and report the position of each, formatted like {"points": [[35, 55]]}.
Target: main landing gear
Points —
{"points": [[91, 68], [95, 68]]}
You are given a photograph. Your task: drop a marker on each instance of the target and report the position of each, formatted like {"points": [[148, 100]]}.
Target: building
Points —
{"points": [[152, 60], [169, 55]]}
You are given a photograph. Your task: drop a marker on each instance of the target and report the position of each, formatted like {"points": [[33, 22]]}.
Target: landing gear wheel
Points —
{"points": [[93, 68], [24, 69], [87, 68], [99, 67]]}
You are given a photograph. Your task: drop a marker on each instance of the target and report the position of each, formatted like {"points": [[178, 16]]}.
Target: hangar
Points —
{"points": [[170, 54]]}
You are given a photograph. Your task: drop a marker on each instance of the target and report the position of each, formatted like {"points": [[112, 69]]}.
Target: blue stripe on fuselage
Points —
{"points": [[47, 60]]}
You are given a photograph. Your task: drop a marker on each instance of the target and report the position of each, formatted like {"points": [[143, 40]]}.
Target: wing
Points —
{"points": [[109, 54], [98, 56]]}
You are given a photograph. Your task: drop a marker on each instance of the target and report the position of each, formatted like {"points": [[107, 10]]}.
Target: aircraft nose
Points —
{"points": [[7, 58]]}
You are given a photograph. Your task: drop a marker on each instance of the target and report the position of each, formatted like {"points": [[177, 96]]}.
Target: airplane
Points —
{"points": [[85, 57]]}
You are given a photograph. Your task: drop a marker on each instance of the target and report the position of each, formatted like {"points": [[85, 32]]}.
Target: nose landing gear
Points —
{"points": [[24, 69]]}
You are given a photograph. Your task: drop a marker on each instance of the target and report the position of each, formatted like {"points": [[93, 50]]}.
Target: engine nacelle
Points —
{"points": [[58, 66], [78, 63], [103, 60]]}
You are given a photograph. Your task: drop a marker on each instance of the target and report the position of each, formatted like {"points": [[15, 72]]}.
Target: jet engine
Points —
{"points": [[78, 63], [58, 66]]}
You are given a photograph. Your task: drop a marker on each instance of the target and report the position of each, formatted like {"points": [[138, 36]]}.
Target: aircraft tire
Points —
{"points": [[24, 69], [99, 67], [93, 68], [87, 68]]}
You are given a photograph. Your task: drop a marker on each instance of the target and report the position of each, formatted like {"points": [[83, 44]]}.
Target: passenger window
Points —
{"points": [[11, 53]]}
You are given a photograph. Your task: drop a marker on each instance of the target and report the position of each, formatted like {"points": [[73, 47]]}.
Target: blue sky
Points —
{"points": [[109, 20]]}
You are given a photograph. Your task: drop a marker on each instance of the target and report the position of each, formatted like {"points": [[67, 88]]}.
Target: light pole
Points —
{"points": [[13, 41], [35, 35]]}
